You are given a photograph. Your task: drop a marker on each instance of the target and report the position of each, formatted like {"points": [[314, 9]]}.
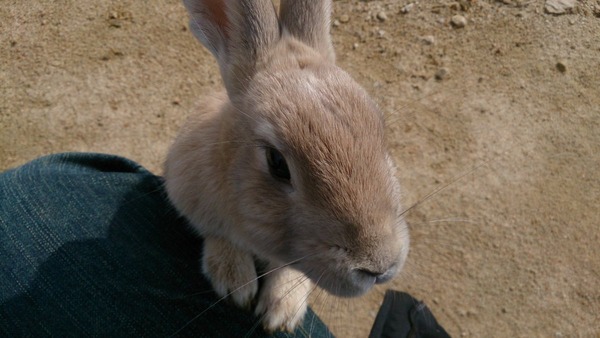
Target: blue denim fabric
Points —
{"points": [[90, 246]]}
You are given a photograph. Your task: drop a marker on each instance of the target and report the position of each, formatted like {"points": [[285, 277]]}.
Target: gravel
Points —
{"points": [[458, 21]]}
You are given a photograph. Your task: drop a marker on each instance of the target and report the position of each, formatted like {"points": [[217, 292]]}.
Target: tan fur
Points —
{"points": [[340, 213]]}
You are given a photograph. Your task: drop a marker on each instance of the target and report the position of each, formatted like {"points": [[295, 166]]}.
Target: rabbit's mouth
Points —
{"points": [[347, 282], [352, 283]]}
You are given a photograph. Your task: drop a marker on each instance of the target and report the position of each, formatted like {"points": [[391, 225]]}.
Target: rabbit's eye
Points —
{"points": [[277, 165]]}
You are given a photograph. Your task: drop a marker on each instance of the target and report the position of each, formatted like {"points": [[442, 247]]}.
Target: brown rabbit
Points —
{"points": [[288, 167]]}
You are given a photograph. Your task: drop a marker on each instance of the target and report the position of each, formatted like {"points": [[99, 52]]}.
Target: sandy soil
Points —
{"points": [[511, 249]]}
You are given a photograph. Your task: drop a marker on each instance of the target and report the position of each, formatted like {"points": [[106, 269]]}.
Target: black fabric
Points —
{"points": [[402, 316], [91, 247]]}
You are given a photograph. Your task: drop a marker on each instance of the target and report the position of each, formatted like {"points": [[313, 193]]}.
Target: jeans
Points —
{"points": [[90, 246]]}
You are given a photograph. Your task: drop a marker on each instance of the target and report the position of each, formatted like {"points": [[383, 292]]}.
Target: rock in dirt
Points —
{"points": [[458, 21], [407, 8], [344, 18], [561, 66], [381, 16], [115, 23], [428, 39], [441, 74], [559, 6]]}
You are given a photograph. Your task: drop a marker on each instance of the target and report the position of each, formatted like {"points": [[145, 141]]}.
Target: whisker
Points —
{"points": [[316, 301], [146, 194], [299, 280], [443, 187], [238, 288], [312, 320], [443, 220], [336, 301], [452, 246], [254, 326], [309, 293], [400, 115], [228, 142], [262, 275]]}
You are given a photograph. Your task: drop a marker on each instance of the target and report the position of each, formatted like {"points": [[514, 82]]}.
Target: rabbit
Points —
{"points": [[287, 166]]}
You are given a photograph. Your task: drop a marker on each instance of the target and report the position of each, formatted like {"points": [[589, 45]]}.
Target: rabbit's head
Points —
{"points": [[303, 169]]}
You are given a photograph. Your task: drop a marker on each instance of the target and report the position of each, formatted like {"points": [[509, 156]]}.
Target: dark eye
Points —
{"points": [[277, 165]]}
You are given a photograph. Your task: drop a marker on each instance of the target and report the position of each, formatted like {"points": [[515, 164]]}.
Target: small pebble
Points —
{"points": [[344, 18], [441, 74], [407, 8], [561, 66], [355, 45], [458, 21], [558, 7], [428, 40], [336, 23], [381, 16], [116, 23]]}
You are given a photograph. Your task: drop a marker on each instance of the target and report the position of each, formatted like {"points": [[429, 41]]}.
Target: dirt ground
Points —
{"points": [[511, 101]]}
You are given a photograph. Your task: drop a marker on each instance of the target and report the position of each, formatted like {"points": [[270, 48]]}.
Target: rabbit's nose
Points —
{"points": [[385, 277], [380, 277], [370, 273]]}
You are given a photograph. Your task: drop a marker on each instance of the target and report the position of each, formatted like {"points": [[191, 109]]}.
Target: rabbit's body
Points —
{"points": [[289, 167]]}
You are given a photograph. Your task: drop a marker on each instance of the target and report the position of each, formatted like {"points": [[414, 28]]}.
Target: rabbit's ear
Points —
{"points": [[239, 33], [309, 22]]}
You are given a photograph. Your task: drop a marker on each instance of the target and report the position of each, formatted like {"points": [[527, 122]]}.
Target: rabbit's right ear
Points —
{"points": [[309, 22], [239, 33]]}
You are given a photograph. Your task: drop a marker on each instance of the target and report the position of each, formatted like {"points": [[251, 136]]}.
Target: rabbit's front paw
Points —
{"points": [[230, 270], [282, 300]]}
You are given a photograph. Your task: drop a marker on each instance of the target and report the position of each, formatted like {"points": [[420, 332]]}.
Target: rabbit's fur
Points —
{"points": [[337, 219]]}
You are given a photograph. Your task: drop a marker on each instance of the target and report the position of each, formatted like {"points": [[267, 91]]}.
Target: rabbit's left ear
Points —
{"points": [[239, 33], [309, 21]]}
